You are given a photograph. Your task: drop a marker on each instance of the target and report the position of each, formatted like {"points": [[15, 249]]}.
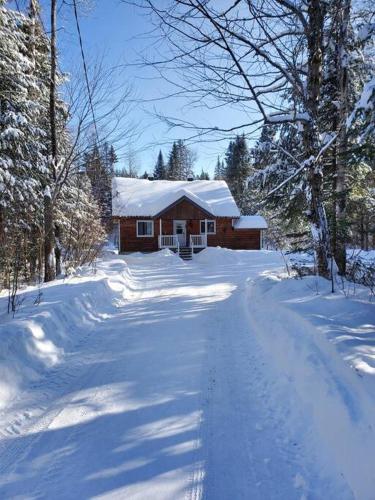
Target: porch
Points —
{"points": [[181, 236]]}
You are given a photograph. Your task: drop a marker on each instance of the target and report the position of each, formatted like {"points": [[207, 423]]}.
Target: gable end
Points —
{"points": [[188, 200]]}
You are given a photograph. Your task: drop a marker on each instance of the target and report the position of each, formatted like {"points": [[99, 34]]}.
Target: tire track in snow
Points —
{"points": [[50, 385], [54, 386], [56, 398], [243, 448], [246, 445], [51, 474]]}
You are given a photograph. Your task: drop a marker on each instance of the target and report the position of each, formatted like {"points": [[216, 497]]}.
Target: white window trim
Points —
{"points": [[208, 220], [145, 235]]}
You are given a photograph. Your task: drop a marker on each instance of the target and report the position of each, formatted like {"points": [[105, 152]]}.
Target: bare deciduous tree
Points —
{"points": [[265, 57]]}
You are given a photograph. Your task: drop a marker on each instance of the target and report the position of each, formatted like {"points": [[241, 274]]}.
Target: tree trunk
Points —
{"points": [[318, 221], [33, 253], [35, 242], [362, 231], [57, 250], [52, 93], [49, 239], [366, 246], [317, 214], [49, 233], [342, 19]]}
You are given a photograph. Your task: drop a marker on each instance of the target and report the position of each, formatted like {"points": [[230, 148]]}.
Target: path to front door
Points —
{"points": [[179, 228]]}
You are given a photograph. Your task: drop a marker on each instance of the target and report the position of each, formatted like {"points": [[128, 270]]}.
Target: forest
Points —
{"points": [[187, 249], [302, 73]]}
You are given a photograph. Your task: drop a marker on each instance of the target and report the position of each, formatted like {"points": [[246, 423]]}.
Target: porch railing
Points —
{"points": [[198, 241], [171, 241], [168, 241]]}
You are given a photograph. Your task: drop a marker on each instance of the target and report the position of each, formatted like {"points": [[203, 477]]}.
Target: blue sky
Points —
{"points": [[118, 32]]}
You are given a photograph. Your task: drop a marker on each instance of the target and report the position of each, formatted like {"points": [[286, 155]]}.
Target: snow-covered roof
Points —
{"points": [[250, 222], [142, 197]]}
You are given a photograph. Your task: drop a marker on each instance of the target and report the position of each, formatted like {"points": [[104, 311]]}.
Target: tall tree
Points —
{"points": [[99, 165], [24, 129], [181, 162], [204, 176], [219, 173], [174, 163], [237, 168], [45, 199], [49, 222], [160, 170], [286, 39]]}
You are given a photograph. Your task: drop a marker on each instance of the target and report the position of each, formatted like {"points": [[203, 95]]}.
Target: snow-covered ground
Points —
{"points": [[217, 379]]}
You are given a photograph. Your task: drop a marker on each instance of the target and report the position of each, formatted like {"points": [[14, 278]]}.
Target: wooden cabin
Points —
{"points": [[185, 216]]}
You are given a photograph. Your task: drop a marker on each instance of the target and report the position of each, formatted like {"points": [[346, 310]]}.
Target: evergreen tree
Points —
{"points": [[99, 167], [180, 162], [203, 176], [109, 158], [238, 169], [24, 97], [271, 167], [174, 164], [33, 169], [79, 216], [219, 173], [160, 170]]}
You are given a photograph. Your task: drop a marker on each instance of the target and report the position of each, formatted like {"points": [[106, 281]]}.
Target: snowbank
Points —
{"points": [[40, 335], [304, 258], [322, 347], [366, 256], [160, 257], [214, 256]]}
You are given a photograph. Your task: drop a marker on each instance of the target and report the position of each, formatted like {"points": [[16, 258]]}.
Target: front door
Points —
{"points": [[179, 228]]}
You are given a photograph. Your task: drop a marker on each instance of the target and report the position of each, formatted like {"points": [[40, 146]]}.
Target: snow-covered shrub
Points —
{"points": [[362, 272]]}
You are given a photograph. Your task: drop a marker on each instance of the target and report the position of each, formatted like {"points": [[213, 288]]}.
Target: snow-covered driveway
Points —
{"points": [[170, 396]]}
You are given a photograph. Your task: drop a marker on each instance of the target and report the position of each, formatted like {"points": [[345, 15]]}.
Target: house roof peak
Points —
{"points": [[140, 197]]}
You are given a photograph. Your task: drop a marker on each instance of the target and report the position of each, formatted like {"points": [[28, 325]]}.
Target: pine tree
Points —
{"points": [[99, 167], [271, 166], [238, 169], [79, 216], [203, 176], [24, 55], [174, 164], [180, 162], [47, 210], [188, 159], [219, 173], [160, 170]]}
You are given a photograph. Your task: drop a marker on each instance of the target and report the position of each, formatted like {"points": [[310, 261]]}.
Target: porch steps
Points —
{"points": [[186, 253]]}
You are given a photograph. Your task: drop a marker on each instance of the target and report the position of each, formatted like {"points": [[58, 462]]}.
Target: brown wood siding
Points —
{"points": [[226, 236], [237, 239], [129, 242], [184, 211]]}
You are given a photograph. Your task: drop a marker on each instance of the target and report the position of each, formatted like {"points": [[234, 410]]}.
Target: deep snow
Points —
{"points": [[141, 197], [156, 378]]}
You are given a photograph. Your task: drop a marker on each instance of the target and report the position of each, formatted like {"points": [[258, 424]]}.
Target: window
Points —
{"points": [[145, 228], [211, 227]]}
